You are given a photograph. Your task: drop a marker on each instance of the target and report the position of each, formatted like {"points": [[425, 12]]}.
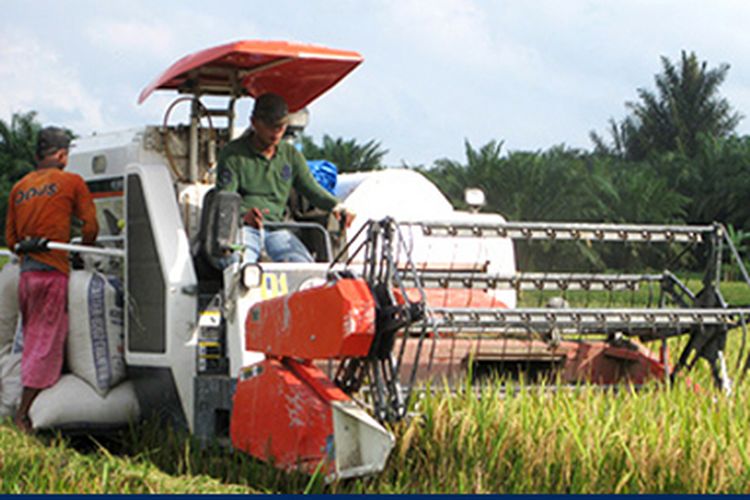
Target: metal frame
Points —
{"points": [[305, 225], [533, 281], [585, 321], [568, 231]]}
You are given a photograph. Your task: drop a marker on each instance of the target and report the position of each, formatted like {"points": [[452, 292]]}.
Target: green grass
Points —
{"points": [[734, 292], [38, 464]]}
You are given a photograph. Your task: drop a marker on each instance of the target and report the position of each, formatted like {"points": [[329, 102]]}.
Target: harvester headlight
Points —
{"points": [[251, 275], [474, 197]]}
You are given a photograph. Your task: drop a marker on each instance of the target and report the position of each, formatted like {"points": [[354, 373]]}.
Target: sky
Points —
{"points": [[437, 73]]}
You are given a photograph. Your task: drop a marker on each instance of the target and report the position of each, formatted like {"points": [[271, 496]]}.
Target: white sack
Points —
{"points": [[10, 374], [95, 339], [8, 302], [72, 403]]}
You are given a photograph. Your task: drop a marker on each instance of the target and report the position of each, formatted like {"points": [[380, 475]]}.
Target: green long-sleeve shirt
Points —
{"points": [[264, 183]]}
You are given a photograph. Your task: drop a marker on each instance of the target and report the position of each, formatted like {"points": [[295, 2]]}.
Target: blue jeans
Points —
{"points": [[280, 245]]}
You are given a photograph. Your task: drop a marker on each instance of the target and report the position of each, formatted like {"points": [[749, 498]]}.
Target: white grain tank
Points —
{"points": [[408, 196]]}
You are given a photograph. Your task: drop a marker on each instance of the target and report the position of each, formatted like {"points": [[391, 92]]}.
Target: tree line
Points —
{"points": [[674, 158]]}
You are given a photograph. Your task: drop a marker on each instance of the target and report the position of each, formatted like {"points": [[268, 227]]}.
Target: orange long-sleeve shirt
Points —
{"points": [[41, 205]]}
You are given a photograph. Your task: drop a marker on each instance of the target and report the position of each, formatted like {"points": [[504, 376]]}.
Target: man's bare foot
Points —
{"points": [[23, 422]]}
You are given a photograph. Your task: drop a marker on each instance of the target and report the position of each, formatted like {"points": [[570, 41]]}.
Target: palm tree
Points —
{"points": [[719, 183], [453, 177], [685, 106], [17, 149], [347, 155], [17, 145], [561, 184]]}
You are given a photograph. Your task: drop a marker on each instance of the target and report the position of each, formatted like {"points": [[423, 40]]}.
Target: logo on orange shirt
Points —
{"points": [[33, 192]]}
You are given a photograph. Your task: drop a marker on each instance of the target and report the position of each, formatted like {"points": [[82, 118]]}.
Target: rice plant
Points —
{"points": [[657, 439], [503, 438]]}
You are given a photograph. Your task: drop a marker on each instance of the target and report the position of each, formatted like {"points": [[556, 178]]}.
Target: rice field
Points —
{"points": [[528, 440], [582, 441], [504, 438]]}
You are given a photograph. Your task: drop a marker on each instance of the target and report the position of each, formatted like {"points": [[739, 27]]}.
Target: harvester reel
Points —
{"points": [[409, 317], [381, 368]]}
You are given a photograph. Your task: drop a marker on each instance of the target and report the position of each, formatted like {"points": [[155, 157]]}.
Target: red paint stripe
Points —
{"points": [[107, 194]]}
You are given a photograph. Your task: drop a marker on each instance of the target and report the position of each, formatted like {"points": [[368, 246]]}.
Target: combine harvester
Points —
{"points": [[302, 364]]}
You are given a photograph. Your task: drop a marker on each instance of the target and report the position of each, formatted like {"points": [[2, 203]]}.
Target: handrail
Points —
{"points": [[305, 225]]}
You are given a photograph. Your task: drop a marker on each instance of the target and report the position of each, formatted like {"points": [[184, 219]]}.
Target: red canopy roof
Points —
{"points": [[296, 71]]}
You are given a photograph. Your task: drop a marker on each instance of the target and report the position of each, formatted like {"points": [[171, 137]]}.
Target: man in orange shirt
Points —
{"points": [[40, 208]]}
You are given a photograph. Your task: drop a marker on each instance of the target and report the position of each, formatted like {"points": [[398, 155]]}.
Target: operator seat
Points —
{"points": [[219, 230], [219, 227]]}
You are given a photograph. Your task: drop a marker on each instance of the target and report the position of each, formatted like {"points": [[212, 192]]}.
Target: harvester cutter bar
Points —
{"points": [[584, 321], [568, 231], [532, 281]]}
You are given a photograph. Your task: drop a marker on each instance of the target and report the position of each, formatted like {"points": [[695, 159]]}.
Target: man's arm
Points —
{"points": [[306, 185], [85, 210]]}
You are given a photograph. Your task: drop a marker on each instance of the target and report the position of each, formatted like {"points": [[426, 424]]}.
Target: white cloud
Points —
{"points": [[34, 77], [146, 38], [454, 29], [458, 32]]}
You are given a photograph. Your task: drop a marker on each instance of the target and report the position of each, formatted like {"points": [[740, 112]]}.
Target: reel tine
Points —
{"points": [[743, 370], [746, 367]]}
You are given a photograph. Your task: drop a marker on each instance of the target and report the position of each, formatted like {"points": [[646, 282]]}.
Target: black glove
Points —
{"points": [[31, 244]]}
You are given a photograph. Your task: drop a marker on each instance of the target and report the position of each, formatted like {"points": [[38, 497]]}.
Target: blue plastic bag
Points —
{"points": [[325, 173]]}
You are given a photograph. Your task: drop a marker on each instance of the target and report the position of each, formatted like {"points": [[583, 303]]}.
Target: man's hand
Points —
{"points": [[31, 244], [345, 216], [254, 218]]}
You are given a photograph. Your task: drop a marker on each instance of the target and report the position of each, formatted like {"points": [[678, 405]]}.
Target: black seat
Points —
{"points": [[219, 226]]}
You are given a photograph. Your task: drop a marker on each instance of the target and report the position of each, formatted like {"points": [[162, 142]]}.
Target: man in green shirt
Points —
{"points": [[263, 169]]}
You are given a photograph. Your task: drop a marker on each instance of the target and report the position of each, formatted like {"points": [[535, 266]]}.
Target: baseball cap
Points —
{"points": [[51, 139], [271, 108]]}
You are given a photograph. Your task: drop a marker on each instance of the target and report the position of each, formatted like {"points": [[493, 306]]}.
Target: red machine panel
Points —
{"points": [[282, 413], [331, 321]]}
